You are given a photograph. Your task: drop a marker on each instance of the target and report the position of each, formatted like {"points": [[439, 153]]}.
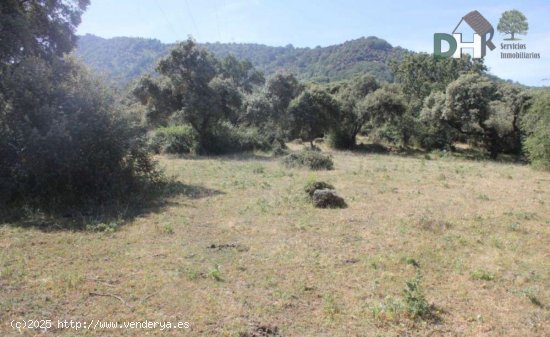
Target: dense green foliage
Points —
{"points": [[62, 143], [40, 28], [174, 139], [196, 89], [536, 124], [125, 59], [312, 114], [350, 118]]}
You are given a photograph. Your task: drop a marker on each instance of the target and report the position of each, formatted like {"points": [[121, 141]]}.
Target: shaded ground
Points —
{"points": [[245, 253]]}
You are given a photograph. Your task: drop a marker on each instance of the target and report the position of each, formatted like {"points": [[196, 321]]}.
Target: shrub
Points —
{"points": [[279, 148], [536, 124], [311, 159], [340, 140], [313, 185], [386, 134], [226, 138], [174, 139], [61, 143]]}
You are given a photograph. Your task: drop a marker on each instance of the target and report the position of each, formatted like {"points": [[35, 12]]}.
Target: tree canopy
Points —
{"points": [[42, 28]]}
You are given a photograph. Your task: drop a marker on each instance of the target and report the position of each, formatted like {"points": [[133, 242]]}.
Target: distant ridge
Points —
{"points": [[124, 59]]}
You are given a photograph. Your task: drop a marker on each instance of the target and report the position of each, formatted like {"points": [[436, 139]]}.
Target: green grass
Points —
{"points": [[243, 249]]}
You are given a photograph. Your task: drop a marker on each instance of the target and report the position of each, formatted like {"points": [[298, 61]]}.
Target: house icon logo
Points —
{"points": [[482, 36]]}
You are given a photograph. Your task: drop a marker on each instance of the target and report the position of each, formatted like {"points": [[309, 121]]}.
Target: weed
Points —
{"points": [[192, 274], [391, 309], [215, 273], [415, 302]]}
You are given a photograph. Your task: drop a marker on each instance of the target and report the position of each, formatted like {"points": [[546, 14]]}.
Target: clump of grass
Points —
{"points": [[412, 262], [168, 228], [483, 197], [534, 299], [310, 159], [70, 280], [391, 310], [330, 307], [192, 274], [258, 169], [481, 274], [103, 227]]}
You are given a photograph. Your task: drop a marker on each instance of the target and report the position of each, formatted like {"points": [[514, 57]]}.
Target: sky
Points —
{"points": [[310, 23]]}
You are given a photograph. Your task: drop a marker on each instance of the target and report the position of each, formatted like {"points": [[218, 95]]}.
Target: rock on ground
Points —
{"points": [[327, 198]]}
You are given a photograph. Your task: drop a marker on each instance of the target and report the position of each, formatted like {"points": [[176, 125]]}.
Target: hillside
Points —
{"points": [[123, 59]]}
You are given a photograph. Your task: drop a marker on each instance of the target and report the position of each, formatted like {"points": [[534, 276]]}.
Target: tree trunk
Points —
{"points": [[513, 35], [492, 143]]}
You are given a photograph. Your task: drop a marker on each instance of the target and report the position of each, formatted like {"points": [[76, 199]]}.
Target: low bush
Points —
{"points": [[313, 185], [178, 139], [226, 138], [279, 148], [311, 159], [340, 140]]}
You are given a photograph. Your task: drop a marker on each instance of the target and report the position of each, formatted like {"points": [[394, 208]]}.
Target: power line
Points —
{"points": [[217, 19], [166, 19], [192, 19]]}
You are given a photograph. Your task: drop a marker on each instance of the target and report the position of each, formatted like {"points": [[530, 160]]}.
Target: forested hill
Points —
{"points": [[123, 59]]}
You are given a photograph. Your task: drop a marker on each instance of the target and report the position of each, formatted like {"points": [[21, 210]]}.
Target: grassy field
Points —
{"points": [[240, 251]]}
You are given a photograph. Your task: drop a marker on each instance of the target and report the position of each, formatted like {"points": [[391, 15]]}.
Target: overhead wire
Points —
{"points": [[192, 19], [167, 21]]}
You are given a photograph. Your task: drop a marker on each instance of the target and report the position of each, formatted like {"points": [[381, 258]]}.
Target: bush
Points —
{"points": [[311, 159], [340, 140], [279, 148], [226, 138], [386, 134], [174, 139], [432, 135], [61, 143], [536, 124], [313, 185]]}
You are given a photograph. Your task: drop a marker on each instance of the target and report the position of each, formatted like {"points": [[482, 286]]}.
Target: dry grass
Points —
{"points": [[249, 256]]}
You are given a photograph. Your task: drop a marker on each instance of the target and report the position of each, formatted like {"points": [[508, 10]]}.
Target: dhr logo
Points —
{"points": [[483, 34]]}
